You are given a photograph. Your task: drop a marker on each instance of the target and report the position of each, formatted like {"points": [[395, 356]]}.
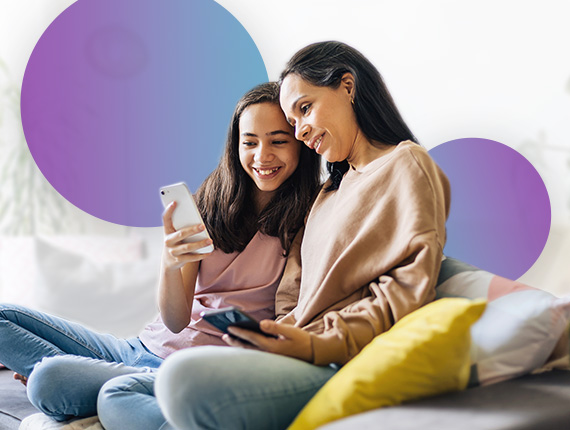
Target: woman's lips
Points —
{"points": [[318, 143], [315, 142]]}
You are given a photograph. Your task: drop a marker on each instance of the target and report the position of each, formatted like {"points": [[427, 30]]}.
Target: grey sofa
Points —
{"points": [[14, 404], [532, 402]]}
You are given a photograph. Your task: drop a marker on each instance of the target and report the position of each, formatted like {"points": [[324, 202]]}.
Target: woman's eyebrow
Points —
{"points": [[294, 105]]}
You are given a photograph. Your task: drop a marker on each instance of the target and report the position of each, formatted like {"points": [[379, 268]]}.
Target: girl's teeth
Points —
{"points": [[267, 172]]}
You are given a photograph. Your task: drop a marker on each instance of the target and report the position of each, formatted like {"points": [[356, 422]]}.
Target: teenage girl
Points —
{"points": [[253, 204]]}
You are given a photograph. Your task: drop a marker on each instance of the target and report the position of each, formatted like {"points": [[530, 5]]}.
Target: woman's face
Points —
{"points": [[323, 117], [268, 150]]}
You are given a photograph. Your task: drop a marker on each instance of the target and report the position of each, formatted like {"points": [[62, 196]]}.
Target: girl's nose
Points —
{"points": [[264, 153]]}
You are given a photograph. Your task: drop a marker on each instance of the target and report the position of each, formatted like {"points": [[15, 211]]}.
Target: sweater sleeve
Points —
{"points": [[287, 294], [391, 266], [409, 285]]}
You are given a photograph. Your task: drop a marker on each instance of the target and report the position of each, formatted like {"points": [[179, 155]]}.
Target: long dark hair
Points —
{"points": [[225, 199], [323, 64]]}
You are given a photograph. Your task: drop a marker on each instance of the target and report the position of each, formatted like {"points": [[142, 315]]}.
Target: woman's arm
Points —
{"points": [[387, 267], [178, 273], [404, 289], [287, 294], [409, 285]]}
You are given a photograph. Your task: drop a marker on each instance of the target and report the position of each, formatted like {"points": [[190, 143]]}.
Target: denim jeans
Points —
{"points": [[231, 388], [67, 364], [128, 403]]}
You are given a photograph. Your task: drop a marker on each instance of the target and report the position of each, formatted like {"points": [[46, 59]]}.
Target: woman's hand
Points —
{"points": [[177, 253], [291, 341]]}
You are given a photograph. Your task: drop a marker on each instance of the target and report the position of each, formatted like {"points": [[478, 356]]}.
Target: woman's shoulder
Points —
{"points": [[412, 150], [406, 155], [412, 156]]}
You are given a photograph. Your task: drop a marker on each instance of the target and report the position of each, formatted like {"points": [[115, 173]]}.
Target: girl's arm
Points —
{"points": [[178, 273]]}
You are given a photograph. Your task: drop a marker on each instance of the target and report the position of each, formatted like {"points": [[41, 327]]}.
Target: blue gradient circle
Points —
{"points": [[500, 210], [121, 97]]}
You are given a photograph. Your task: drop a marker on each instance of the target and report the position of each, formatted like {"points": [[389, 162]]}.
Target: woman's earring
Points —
{"points": [[352, 101]]}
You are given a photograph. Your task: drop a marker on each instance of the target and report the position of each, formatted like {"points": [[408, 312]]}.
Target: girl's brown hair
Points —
{"points": [[225, 199]]}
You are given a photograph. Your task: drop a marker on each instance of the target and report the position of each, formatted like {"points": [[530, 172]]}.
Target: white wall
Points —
{"points": [[492, 69]]}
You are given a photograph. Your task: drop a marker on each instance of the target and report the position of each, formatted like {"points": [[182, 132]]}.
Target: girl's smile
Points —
{"points": [[268, 150]]}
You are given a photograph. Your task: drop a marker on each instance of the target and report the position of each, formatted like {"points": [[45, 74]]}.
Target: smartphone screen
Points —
{"points": [[232, 316]]}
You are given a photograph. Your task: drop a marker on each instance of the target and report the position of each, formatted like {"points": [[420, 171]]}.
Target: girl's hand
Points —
{"points": [[176, 252], [291, 341]]}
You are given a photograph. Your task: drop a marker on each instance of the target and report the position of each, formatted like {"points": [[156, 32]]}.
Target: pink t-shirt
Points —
{"points": [[246, 279]]}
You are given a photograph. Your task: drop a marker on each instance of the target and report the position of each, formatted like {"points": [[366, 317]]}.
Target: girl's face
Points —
{"points": [[268, 150], [323, 117]]}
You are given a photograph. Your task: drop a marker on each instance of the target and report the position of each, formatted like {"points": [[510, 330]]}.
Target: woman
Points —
{"points": [[252, 205], [370, 254]]}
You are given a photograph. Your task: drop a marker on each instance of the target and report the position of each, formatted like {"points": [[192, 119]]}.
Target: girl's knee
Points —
{"points": [[108, 396], [120, 386], [6, 310], [43, 384], [121, 399], [46, 376]]}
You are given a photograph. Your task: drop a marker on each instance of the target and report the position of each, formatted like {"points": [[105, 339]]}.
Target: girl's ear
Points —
{"points": [[347, 82]]}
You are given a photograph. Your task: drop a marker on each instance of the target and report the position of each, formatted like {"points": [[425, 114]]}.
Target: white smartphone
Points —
{"points": [[186, 213]]}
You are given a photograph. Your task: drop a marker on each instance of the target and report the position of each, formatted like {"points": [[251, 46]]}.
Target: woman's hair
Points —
{"points": [[323, 64], [225, 199]]}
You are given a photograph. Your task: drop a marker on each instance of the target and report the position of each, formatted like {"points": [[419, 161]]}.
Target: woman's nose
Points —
{"points": [[302, 132]]}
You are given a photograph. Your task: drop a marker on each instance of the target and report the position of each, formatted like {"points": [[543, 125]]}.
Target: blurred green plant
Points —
{"points": [[29, 205]]}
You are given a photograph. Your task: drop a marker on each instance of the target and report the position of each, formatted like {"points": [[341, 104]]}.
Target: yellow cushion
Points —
{"points": [[425, 353]]}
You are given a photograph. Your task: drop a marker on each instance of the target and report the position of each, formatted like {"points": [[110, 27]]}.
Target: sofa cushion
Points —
{"points": [[425, 353], [519, 329]]}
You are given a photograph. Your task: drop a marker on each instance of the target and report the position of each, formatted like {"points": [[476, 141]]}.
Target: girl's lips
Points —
{"points": [[266, 173]]}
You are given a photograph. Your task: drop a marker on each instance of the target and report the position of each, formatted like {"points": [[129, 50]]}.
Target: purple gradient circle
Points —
{"points": [[122, 97], [500, 210]]}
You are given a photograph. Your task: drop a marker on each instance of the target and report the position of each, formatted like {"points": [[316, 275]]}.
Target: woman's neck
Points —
{"points": [[365, 151]]}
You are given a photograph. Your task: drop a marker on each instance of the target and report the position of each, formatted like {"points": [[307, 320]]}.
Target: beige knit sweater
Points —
{"points": [[370, 253]]}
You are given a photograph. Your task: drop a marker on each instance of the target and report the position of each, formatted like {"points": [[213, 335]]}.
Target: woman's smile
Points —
{"points": [[323, 117]]}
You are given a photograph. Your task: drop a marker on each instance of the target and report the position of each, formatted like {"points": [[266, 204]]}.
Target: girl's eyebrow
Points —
{"points": [[271, 133]]}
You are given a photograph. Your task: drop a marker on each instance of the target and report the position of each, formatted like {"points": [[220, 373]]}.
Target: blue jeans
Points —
{"points": [[128, 403], [231, 388], [67, 364]]}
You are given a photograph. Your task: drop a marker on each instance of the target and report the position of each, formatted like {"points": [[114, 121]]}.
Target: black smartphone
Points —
{"points": [[232, 316]]}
